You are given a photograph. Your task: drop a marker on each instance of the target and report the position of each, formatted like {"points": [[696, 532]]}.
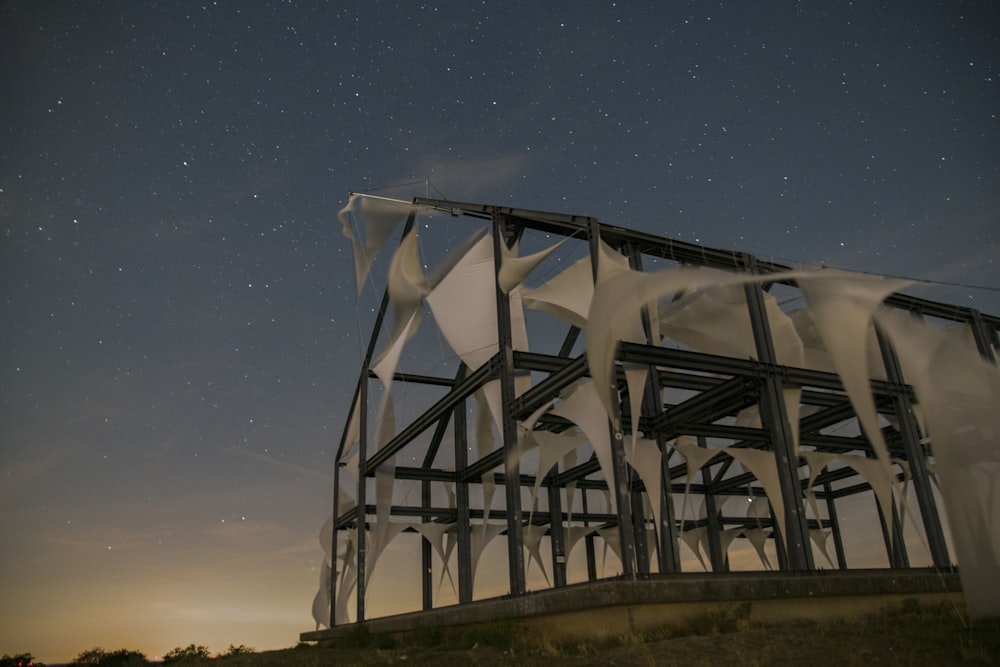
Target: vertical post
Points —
{"points": [[426, 567], [668, 558], [892, 531], [334, 532], [556, 536], [985, 337], [668, 551], [779, 545], [362, 513], [512, 466], [795, 532], [887, 535], [717, 558], [619, 484], [462, 520], [899, 556], [838, 538], [361, 400], [588, 541], [915, 455], [639, 531]]}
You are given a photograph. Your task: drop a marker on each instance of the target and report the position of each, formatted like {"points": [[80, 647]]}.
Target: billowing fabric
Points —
{"points": [[379, 218], [958, 393], [703, 310]]}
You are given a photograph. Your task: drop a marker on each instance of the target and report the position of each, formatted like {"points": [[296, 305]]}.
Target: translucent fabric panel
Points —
{"points": [[695, 457], [842, 305], [321, 602], [583, 408], [531, 536], [615, 314], [407, 288], [958, 393], [348, 575], [353, 432], [486, 417], [692, 537], [610, 263], [763, 466], [635, 380], [479, 539], [464, 306], [715, 319], [572, 536], [878, 476], [567, 295], [385, 369], [552, 447], [514, 269], [441, 537], [612, 540], [758, 538], [379, 217], [815, 353], [645, 459], [726, 538], [821, 537], [817, 461]]}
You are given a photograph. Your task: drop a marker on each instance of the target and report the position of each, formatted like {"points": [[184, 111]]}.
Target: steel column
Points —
{"points": [[838, 538], [463, 521], [910, 433], [619, 484], [795, 532], [556, 536], [512, 486], [426, 564]]}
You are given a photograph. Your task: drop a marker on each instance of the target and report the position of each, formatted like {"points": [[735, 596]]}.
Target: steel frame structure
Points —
{"points": [[718, 387]]}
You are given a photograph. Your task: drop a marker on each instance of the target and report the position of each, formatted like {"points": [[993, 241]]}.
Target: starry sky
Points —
{"points": [[179, 326]]}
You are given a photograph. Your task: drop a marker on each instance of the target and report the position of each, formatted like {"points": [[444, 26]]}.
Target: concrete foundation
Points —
{"points": [[618, 607]]}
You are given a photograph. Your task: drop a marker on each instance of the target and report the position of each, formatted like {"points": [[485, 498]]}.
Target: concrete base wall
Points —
{"points": [[613, 608]]}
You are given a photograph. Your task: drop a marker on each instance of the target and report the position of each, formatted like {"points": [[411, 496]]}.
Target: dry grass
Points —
{"points": [[912, 635]]}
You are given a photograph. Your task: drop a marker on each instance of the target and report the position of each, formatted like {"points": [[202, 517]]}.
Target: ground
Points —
{"points": [[914, 635]]}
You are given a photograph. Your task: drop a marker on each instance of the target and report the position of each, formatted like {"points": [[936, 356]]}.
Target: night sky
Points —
{"points": [[180, 334]]}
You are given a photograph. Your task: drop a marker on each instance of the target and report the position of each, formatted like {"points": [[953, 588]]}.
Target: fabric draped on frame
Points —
{"points": [[706, 311]]}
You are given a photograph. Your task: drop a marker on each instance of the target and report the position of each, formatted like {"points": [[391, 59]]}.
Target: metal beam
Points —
{"points": [[463, 516], [508, 425], [619, 484], [548, 388], [462, 390], [723, 400], [915, 456], [795, 532]]}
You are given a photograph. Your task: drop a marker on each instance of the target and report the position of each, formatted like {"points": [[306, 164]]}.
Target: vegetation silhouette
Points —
{"points": [[20, 660], [98, 657]]}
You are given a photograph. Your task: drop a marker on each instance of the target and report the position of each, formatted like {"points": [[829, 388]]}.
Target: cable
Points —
{"points": [[394, 185], [923, 281]]}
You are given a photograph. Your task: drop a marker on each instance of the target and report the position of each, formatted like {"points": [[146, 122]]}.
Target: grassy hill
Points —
{"points": [[914, 635]]}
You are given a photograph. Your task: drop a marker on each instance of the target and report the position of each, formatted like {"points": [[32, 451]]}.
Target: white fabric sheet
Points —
{"points": [[584, 409], [379, 218], [958, 393]]}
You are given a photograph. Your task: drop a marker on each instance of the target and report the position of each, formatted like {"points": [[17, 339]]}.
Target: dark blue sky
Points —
{"points": [[179, 328]]}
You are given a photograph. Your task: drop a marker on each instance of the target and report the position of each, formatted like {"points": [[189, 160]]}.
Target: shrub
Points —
{"points": [[190, 653], [98, 657], [239, 650], [19, 660]]}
